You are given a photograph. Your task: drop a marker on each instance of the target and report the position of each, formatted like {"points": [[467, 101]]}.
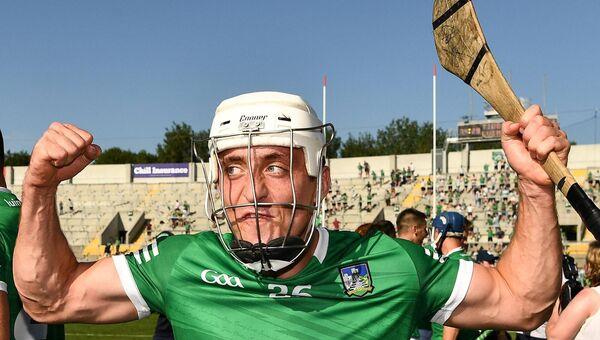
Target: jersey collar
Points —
{"points": [[3, 189], [455, 250], [322, 245]]}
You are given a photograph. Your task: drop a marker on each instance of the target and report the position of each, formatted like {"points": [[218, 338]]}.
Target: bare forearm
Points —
{"points": [[43, 261], [450, 333], [531, 264]]}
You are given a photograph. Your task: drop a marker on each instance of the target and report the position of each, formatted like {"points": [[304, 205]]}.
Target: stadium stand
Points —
{"points": [[142, 209]]}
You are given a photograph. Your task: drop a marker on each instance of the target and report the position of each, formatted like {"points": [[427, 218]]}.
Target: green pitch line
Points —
{"points": [[141, 329]]}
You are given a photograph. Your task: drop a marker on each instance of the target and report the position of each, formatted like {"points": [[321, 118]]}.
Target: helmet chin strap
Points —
{"points": [[272, 258]]}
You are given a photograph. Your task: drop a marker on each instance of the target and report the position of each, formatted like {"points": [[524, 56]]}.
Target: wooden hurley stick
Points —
{"points": [[463, 51]]}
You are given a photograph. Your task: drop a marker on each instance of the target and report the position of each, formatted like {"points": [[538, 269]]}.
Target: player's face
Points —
{"points": [[422, 232], [271, 172]]}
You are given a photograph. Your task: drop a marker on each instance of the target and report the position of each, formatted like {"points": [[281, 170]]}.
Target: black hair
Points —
{"points": [[409, 212]]}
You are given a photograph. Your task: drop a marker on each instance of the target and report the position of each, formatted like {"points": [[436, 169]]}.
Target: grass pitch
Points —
{"points": [[141, 329]]}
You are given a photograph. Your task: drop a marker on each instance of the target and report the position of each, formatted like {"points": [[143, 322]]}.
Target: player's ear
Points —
{"points": [[325, 181]]}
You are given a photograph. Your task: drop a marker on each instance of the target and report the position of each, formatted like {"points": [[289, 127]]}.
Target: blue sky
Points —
{"points": [[126, 69]]}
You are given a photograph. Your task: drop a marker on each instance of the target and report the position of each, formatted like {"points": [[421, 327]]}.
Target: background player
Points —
{"points": [[263, 182], [449, 242], [14, 322], [412, 225]]}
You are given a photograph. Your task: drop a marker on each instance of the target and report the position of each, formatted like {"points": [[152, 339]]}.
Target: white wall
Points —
{"points": [[105, 173], [454, 161], [421, 162], [8, 174], [479, 158], [348, 167], [584, 156], [18, 174]]}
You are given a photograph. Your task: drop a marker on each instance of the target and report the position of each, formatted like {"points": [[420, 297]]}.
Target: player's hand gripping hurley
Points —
{"points": [[463, 51]]}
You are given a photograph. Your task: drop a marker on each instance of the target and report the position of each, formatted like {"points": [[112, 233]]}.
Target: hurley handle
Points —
{"points": [[510, 108], [463, 51]]}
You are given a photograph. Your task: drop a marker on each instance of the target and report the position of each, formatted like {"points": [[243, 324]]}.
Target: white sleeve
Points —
{"points": [[130, 287], [461, 286]]}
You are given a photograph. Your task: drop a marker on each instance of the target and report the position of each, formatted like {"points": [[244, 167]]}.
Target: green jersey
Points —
{"points": [[361, 287], [21, 325], [436, 328]]}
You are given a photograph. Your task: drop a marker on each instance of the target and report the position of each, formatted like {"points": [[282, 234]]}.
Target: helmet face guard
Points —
{"points": [[266, 256]]}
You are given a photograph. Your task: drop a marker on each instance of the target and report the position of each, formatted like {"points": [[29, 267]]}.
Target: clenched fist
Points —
{"points": [[62, 152], [528, 143]]}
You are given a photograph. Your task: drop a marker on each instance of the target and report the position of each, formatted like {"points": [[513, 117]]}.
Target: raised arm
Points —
{"points": [[520, 292], [53, 286]]}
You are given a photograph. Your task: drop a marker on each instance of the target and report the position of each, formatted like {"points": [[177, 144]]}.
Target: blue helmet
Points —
{"points": [[448, 224]]}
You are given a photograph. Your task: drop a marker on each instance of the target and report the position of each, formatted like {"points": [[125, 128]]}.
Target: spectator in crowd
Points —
{"points": [[490, 235], [470, 212], [368, 186], [381, 177], [411, 225], [581, 318], [117, 246], [107, 249], [367, 168], [369, 201], [71, 207], [360, 169], [388, 198], [449, 242], [149, 229], [336, 224], [61, 208]]}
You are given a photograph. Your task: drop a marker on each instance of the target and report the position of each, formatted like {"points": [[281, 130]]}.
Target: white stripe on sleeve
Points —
{"points": [[3, 287], [461, 286], [131, 288]]}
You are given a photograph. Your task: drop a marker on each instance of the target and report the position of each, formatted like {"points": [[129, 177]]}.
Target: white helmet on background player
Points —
{"points": [[265, 119]]}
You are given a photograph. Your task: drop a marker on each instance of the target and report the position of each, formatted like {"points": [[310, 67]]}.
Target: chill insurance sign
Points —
{"points": [[160, 170]]}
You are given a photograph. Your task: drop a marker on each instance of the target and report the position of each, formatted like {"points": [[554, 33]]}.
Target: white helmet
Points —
{"points": [[265, 119], [269, 116]]}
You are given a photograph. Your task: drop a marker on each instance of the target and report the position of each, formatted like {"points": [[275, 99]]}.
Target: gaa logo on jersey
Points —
{"points": [[212, 277], [357, 279]]}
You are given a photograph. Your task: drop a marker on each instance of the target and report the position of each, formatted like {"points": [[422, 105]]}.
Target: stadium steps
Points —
{"points": [[94, 250], [415, 194]]}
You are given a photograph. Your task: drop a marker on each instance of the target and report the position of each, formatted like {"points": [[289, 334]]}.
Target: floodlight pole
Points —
{"points": [[192, 149], [434, 195], [323, 206]]}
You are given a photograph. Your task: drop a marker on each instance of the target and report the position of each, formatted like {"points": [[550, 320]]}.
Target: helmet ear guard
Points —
{"points": [[265, 119]]}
